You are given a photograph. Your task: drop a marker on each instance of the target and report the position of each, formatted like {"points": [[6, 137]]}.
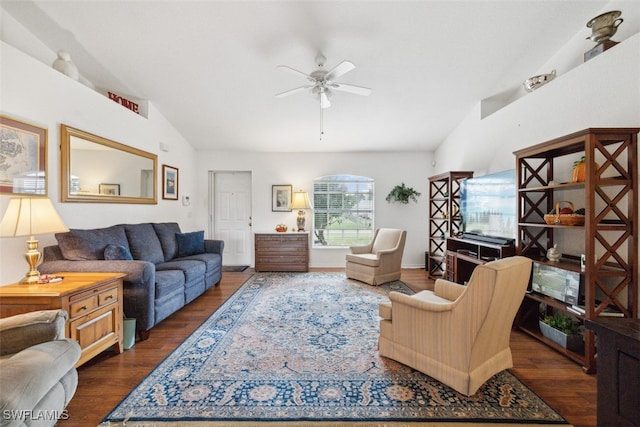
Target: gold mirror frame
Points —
{"points": [[67, 136]]}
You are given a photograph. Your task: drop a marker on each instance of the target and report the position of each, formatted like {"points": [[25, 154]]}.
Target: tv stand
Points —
{"points": [[465, 254]]}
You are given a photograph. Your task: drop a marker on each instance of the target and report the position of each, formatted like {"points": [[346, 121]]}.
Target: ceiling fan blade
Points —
{"points": [[324, 100], [296, 72], [358, 90], [292, 91], [342, 68]]}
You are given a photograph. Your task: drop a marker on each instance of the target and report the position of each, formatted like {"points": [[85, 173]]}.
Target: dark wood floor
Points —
{"points": [[108, 378]]}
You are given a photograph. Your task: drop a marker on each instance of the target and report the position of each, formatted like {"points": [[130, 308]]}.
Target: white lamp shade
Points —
{"points": [[29, 216], [300, 200]]}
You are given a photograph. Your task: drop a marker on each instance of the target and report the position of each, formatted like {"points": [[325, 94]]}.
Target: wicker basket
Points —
{"points": [[556, 218]]}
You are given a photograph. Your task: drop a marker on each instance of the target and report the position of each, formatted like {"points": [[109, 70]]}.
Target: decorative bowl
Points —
{"points": [[535, 82]]}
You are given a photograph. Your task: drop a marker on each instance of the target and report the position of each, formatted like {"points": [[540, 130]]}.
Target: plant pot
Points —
{"points": [[573, 342]]}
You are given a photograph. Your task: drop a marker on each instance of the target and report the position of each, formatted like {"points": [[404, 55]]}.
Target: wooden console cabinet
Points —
{"points": [[92, 300], [618, 370], [282, 251]]}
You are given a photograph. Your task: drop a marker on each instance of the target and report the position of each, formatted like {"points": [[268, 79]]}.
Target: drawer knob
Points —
{"points": [[84, 307]]}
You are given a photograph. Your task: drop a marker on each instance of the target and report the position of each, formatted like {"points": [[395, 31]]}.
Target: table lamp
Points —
{"points": [[28, 216], [300, 200]]}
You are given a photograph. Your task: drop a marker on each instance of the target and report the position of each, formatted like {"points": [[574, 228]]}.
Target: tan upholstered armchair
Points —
{"points": [[457, 334], [380, 261]]}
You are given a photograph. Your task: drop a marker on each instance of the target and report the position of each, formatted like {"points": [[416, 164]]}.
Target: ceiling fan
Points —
{"points": [[322, 82]]}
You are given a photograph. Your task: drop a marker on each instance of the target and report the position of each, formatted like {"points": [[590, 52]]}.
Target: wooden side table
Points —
{"points": [[93, 301], [282, 251]]}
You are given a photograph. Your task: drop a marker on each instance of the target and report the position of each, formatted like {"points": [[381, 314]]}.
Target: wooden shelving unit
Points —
{"points": [[609, 237], [444, 217]]}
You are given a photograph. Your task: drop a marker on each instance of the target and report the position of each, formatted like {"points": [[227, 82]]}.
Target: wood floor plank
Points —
{"points": [[105, 380]]}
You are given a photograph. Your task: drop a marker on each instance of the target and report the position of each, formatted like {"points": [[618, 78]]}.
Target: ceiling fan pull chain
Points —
{"points": [[321, 123]]}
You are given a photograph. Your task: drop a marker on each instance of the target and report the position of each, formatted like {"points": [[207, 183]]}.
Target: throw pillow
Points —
{"points": [[117, 253], [190, 243]]}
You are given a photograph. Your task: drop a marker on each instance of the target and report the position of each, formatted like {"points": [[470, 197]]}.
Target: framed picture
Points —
{"points": [[109, 189], [169, 182], [23, 158], [281, 198]]}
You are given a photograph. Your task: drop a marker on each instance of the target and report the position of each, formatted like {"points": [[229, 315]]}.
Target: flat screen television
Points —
{"points": [[488, 205], [557, 283]]}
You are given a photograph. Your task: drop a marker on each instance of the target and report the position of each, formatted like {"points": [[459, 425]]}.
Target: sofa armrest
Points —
{"points": [[28, 329], [136, 271], [214, 246]]}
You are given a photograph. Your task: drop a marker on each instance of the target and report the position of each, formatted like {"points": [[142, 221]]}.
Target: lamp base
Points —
{"points": [[33, 257], [301, 220]]}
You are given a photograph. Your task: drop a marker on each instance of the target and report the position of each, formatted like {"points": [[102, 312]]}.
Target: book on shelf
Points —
{"points": [[607, 312]]}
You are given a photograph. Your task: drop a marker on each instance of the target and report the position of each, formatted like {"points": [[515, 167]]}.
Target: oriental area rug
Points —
{"points": [[301, 349]]}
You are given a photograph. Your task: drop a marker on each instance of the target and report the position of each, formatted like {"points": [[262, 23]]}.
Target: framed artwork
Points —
{"points": [[109, 189], [23, 158], [169, 182], [281, 198]]}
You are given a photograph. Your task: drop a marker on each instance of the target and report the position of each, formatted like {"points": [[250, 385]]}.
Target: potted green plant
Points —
{"points": [[402, 194], [563, 330]]}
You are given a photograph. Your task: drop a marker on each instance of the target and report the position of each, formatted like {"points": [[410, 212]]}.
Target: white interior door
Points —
{"points": [[230, 193]]}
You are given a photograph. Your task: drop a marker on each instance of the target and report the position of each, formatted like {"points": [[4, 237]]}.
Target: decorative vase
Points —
{"points": [[604, 26], [65, 66], [553, 254]]}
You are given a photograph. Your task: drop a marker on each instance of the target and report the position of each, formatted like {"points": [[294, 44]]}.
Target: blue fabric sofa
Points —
{"points": [[165, 268]]}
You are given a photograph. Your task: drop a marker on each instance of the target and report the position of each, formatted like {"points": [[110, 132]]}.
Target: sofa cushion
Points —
{"points": [[117, 253], [166, 232], [144, 243], [80, 245], [190, 243], [168, 282]]}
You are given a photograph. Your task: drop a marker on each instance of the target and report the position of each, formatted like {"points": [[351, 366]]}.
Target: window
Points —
{"points": [[343, 210]]}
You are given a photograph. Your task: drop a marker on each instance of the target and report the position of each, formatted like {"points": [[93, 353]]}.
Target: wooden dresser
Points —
{"points": [[93, 301], [282, 251]]}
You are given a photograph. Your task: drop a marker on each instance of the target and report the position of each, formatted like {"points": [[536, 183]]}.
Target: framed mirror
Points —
{"points": [[95, 169]]}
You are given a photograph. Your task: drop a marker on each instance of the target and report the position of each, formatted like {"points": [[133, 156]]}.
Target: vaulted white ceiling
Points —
{"points": [[210, 66]]}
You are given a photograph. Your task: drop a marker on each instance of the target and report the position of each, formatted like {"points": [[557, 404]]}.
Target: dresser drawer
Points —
{"points": [[109, 296], [83, 306]]}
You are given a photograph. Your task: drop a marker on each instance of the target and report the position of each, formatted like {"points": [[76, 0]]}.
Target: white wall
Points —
{"points": [[35, 93], [299, 170], [603, 92]]}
